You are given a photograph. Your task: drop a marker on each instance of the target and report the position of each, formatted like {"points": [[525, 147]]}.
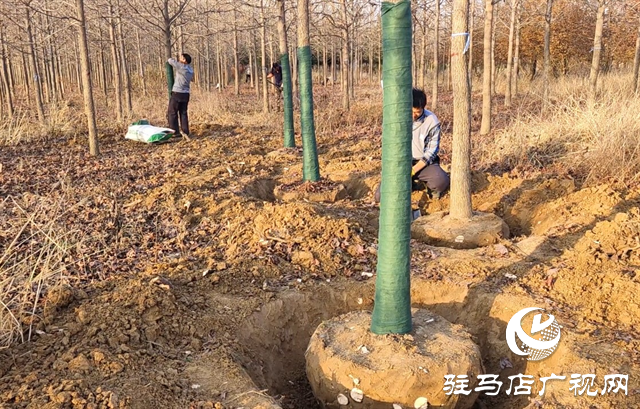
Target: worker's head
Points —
{"points": [[419, 102], [185, 58]]}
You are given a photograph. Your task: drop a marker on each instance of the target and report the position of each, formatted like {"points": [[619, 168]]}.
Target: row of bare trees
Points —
{"points": [[126, 42]]}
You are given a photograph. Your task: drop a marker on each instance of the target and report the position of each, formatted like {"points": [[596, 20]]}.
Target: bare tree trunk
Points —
{"points": [[225, 70], [125, 67], [218, 66], [43, 65], [263, 52], [115, 64], [333, 63], [25, 75], [512, 27], [89, 108], [103, 71], [143, 79], [485, 126], [294, 73], [353, 63], [493, 53], [370, 74], [636, 63], [344, 60], [34, 68], [5, 76], [256, 70], [448, 72], [61, 85], [472, 17], [166, 30], [423, 58], [460, 207], [208, 69], [547, 54], [56, 93], [236, 73], [436, 62], [597, 51], [10, 70], [76, 64], [324, 63], [516, 56], [380, 57], [270, 51]]}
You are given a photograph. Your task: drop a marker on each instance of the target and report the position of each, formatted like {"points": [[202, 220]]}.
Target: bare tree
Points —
{"points": [[485, 126], [263, 54], [460, 207], [597, 51], [87, 87], [35, 72], [126, 77], [161, 14], [547, 53], [512, 27], [636, 63], [436, 61], [5, 75], [115, 61], [236, 73], [344, 59]]}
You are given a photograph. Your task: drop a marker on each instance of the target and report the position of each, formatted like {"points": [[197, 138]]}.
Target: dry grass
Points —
{"points": [[33, 260], [595, 142], [16, 129]]}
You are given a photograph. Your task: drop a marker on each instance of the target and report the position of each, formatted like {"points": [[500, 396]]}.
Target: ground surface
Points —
{"points": [[182, 276]]}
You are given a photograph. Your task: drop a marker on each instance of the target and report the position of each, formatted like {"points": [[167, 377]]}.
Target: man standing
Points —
{"points": [[179, 101]]}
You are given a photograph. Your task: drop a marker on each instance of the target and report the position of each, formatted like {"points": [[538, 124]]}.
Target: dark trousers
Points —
{"points": [[436, 179], [178, 107]]}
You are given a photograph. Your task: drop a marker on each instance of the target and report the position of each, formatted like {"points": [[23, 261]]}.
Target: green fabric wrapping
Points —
{"points": [[170, 79], [392, 308], [310, 166], [289, 140]]}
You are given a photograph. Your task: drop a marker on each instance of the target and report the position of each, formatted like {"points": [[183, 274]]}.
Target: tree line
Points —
{"points": [[113, 51]]}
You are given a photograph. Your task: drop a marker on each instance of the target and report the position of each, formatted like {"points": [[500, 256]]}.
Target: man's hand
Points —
{"points": [[418, 167]]}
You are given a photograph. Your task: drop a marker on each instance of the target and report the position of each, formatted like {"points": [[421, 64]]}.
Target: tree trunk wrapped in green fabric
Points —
{"points": [[310, 166], [170, 78], [392, 309]]}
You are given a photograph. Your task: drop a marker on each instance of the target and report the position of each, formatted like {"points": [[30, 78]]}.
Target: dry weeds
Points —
{"points": [[34, 259]]}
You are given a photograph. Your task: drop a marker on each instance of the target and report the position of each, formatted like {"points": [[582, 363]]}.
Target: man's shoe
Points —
{"points": [[437, 195]]}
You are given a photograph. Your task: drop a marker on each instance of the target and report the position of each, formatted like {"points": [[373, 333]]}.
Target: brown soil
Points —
{"points": [[177, 279], [321, 191], [440, 229], [386, 369]]}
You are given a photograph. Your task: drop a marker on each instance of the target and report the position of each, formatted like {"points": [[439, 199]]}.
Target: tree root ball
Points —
{"points": [[348, 363], [439, 229]]}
